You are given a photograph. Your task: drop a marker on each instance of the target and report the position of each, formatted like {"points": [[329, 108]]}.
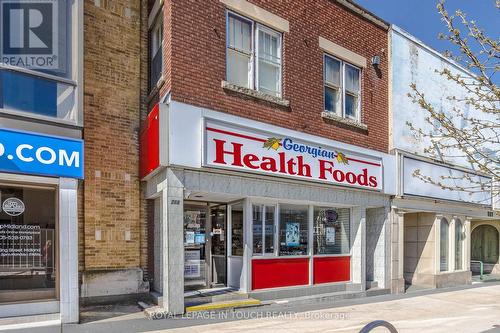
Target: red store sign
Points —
{"points": [[237, 148]]}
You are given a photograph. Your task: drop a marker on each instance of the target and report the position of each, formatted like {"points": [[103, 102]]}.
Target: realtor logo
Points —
{"points": [[29, 31]]}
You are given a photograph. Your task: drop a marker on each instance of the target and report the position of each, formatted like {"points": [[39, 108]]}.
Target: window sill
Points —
{"points": [[156, 89], [28, 116], [255, 94], [341, 120]]}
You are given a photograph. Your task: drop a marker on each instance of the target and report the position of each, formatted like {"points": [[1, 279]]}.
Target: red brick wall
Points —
{"points": [[195, 40]]}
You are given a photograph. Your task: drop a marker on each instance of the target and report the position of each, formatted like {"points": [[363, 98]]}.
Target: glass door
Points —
{"points": [[218, 245], [195, 249]]}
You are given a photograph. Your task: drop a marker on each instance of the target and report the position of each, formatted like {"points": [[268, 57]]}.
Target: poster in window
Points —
{"points": [[292, 234], [192, 264], [189, 238], [330, 235], [199, 238]]}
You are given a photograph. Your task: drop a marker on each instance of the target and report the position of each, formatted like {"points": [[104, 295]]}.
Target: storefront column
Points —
{"points": [[468, 236], [68, 253], [397, 252], [358, 236], [172, 201]]}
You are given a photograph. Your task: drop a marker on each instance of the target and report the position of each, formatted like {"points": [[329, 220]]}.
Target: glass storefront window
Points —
{"points": [[459, 241], [28, 244], [263, 229], [331, 230], [444, 245], [237, 230], [257, 229], [269, 229], [293, 230], [36, 95]]}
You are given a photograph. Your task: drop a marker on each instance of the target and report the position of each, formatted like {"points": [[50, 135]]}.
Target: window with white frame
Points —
{"points": [[263, 229], [342, 85], [253, 55], [293, 230], [331, 230], [444, 251]]}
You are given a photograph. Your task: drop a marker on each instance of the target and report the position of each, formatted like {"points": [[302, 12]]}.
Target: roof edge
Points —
{"points": [[397, 29], [354, 7]]}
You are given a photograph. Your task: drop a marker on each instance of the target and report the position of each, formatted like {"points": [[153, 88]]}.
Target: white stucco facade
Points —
{"points": [[420, 204]]}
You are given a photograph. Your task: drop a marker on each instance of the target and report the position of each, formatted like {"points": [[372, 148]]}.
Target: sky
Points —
{"points": [[421, 18]]}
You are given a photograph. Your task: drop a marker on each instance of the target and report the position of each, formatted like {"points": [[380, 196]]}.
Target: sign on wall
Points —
{"points": [[451, 178], [237, 148], [33, 33], [32, 153]]}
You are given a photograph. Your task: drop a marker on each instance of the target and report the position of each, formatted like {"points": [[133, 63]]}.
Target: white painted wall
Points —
{"points": [[414, 62]]}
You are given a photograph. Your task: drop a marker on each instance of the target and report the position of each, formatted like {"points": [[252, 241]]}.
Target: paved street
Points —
{"points": [[472, 310]]}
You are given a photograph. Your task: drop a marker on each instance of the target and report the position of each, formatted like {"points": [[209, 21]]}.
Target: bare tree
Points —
{"points": [[458, 133]]}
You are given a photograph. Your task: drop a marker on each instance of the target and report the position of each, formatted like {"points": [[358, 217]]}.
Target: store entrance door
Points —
{"points": [[218, 239], [205, 242]]}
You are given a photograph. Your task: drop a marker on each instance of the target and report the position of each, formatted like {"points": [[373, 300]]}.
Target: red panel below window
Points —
{"points": [[150, 143], [273, 273], [331, 269]]}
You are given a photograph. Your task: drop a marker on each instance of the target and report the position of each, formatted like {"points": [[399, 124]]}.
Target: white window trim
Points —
{"points": [[253, 71], [342, 89], [261, 27], [263, 233]]}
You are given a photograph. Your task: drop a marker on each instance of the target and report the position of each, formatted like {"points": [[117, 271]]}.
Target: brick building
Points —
{"points": [[243, 145], [265, 150], [73, 224]]}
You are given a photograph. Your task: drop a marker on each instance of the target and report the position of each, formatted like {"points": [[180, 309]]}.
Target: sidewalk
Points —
{"points": [[474, 308], [470, 310]]}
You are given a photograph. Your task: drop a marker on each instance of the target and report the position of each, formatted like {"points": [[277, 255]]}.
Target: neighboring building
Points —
{"points": [[265, 151], [41, 157], [64, 240], [438, 231], [113, 229]]}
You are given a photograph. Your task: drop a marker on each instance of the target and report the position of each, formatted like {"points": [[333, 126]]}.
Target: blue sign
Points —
{"points": [[38, 154]]}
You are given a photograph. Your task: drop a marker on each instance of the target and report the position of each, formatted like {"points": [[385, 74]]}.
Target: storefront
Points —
{"points": [[262, 209], [38, 225], [441, 231]]}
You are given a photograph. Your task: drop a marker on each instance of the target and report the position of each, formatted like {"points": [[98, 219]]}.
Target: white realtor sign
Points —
{"points": [[238, 148]]}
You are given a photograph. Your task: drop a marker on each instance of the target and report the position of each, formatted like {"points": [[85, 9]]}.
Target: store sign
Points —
{"points": [[238, 148], [32, 153], [13, 206]]}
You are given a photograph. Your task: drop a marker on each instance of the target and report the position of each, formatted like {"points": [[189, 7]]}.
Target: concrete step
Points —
{"points": [[213, 295], [307, 290], [330, 297], [36, 323], [242, 303]]}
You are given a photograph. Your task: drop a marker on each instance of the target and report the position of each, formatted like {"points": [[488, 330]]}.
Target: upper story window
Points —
{"points": [[253, 55], [342, 83], [39, 61], [155, 50]]}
